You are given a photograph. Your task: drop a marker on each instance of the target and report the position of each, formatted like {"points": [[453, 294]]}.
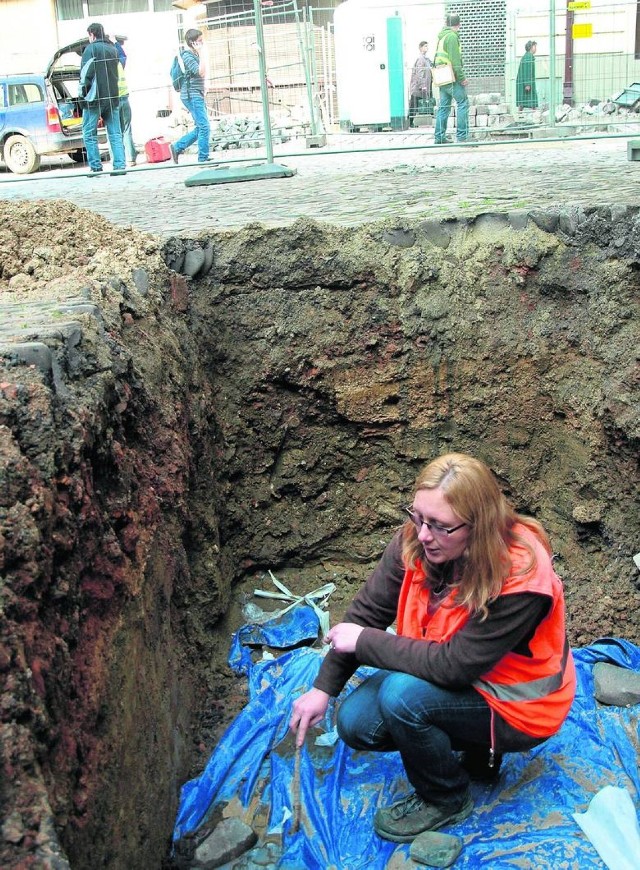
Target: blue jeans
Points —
{"points": [[91, 114], [397, 712], [447, 94], [198, 111], [124, 111]]}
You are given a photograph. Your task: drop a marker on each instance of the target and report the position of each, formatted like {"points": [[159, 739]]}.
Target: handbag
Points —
{"points": [[443, 74]]}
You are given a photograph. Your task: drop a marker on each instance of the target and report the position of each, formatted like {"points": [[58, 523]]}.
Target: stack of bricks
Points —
{"points": [[485, 110]]}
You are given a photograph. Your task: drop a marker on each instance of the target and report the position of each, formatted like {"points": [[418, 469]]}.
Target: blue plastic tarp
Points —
{"points": [[523, 820]]}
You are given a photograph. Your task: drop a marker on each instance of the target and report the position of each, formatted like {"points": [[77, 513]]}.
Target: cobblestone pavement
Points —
{"points": [[415, 179]]}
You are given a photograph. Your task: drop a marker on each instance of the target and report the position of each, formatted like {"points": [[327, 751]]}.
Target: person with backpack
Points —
{"points": [[190, 75]]}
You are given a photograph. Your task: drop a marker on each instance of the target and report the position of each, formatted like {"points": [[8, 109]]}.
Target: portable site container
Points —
{"points": [[376, 44]]}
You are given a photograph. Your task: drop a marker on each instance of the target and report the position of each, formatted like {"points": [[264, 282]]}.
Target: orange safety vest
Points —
{"points": [[533, 694]]}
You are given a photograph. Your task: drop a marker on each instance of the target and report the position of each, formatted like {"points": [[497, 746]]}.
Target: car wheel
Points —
{"points": [[20, 155], [79, 156]]}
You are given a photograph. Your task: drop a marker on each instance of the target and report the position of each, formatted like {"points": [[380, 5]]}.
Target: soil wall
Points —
{"points": [[100, 415], [176, 419]]}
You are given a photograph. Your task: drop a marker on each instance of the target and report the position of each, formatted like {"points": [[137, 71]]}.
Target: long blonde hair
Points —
{"points": [[471, 489]]}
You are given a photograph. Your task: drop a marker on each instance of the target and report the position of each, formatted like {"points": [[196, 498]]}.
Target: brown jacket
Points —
{"points": [[471, 652]]}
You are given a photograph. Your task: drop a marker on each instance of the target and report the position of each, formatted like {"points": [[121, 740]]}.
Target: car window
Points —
{"points": [[2, 97], [67, 89], [21, 94]]}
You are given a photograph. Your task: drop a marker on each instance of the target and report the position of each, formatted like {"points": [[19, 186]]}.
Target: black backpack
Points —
{"points": [[178, 72]]}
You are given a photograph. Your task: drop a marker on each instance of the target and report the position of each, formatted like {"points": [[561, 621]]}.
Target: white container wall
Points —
{"points": [[368, 86]]}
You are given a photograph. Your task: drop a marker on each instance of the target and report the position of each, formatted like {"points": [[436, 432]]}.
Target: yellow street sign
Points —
{"points": [[582, 31]]}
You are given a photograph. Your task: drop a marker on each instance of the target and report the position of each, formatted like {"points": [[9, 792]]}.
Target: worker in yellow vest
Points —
{"points": [[125, 117]]}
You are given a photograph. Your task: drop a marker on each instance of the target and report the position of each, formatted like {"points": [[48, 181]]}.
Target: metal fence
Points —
{"points": [[586, 70], [347, 69]]}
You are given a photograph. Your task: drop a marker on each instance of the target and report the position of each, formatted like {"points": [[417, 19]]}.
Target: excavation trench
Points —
{"points": [[178, 418]]}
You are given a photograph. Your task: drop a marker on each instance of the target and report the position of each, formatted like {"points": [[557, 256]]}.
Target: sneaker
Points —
{"points": [[174, 153], [402, 822]]}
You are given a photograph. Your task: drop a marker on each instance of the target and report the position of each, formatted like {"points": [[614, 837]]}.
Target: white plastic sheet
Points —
{"points": [[612, 826]]}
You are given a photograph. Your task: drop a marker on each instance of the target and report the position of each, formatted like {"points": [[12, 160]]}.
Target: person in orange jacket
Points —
{"points": [[480, 664]]}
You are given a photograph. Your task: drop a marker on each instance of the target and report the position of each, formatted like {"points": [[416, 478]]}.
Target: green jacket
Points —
{"points": [[526, 91], [449, 50]]}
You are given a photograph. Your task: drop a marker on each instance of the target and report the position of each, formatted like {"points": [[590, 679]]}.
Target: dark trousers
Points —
{"points": [[424, 723]]}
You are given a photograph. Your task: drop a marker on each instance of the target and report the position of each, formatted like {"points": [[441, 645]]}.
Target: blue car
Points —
{"points": [[41, 113]]}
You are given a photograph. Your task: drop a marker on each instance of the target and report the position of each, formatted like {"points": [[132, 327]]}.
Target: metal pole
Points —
{"points": [[567, 86], [303, 43], [552, 63], [331, 79], [262, 64], [313, 67]]}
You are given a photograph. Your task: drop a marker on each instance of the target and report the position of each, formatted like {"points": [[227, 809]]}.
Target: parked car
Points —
{"points": [[40, 113]]}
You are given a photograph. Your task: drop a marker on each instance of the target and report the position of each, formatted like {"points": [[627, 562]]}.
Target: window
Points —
{"points": [[67, 10], [20, 95], [162, 6], [483, 36], [116, 7]]}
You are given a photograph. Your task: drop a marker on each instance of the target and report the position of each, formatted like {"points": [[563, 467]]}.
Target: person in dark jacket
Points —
{"points": [[192, 95], [99, 90], [479, 664], [420, 83], [448, 50], [526, 91]]}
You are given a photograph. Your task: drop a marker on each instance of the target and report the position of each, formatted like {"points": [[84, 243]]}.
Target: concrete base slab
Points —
{"points": [[633, 149], [230, 174], [318, 141]]}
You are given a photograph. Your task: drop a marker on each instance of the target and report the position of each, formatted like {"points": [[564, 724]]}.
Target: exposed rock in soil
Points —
{"points": [[168, 434]]}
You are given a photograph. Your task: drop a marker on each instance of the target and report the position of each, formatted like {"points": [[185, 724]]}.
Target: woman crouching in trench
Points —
{"points": [[480, 664]]}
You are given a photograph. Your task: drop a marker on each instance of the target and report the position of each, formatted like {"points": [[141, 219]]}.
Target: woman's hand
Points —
{"points": [[308, 710], [344, 636]]}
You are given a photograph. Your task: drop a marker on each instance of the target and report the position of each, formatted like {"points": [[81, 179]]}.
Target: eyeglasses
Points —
{"points": [[434, 528]]}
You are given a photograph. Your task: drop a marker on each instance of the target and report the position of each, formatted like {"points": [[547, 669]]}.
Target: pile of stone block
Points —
{"points": [[486, 110], [597, 111], [247, 131], [237, 131]]}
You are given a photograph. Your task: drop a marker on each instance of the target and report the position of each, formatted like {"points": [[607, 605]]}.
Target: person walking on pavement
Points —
{"points": [[526, 91], [192, 95], [449, 51], [420, 83], [99, 91]]}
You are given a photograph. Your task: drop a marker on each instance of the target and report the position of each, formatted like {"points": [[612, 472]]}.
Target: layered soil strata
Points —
{"points": [[176, 418]]}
